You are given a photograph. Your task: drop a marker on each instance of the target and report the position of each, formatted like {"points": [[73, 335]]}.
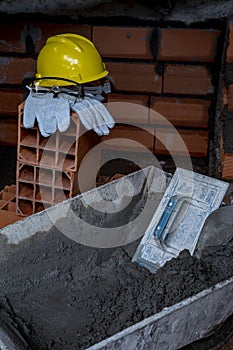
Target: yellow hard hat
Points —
{"points": [[69, 59]]}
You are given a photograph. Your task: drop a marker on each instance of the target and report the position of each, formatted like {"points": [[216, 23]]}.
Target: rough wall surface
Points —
{"points": [[181, 10]]}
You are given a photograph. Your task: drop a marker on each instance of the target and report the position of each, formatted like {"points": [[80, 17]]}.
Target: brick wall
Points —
{"points": [[226, 146], [167, 69]]}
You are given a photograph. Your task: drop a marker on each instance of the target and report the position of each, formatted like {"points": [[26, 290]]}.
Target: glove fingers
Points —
{"points": [[29, 113], [62, 113], [93, 115], [97, 119], [49, 120], [104, 129], [92, 112], [95, 111], [98, 131], [84, 114], [46, 121], [110, 125], [104, 115], [86, 119]]}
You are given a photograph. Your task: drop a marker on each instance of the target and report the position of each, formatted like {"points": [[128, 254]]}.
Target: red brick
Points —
{"points": [[8, 132], [169, 141], [115, 177], [12, 37], [139, 77], [187, 79], [180, 111], [230, 98], [8, 217], [142, 136], [9, 101], [123, 42], [187, 44], [41, 31], [15, 70], [229, 53], [7, 195], [128, 108], [227, 166]]}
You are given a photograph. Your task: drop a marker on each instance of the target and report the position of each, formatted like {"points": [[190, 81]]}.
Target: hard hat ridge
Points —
{"points": [[69, 59]]}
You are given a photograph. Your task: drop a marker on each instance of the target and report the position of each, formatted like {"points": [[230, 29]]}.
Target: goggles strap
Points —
{"points": [[78, 90]]}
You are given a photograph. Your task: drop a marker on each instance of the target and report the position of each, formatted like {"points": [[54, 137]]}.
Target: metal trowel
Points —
{"points": [[217, 230], [179, 219]]}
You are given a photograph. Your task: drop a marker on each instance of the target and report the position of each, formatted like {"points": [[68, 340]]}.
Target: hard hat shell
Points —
{"points": [[67, 59]]}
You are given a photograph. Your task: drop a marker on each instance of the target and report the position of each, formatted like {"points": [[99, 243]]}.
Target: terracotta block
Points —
{"points": [[128, 108], [123, 42], [8, 217], [12, 36], [187, 79], [115, 177], [9, 101], [25, 207], [169, 141], [187, 44], [229, 53], [47, 168], [180, 111], [11, 207], [129, 138], [230, 98], [11, 189], [41, 31], [7, 196], [59, 151], [2, 203], [15, 70], [227, 166], [8, 132], [139, 77]]}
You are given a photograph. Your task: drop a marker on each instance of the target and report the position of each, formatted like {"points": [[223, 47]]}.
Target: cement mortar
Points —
{"points": [[63, 295]]}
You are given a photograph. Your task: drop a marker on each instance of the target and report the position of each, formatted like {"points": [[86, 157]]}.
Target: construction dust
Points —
{"points": [[63, 295]]}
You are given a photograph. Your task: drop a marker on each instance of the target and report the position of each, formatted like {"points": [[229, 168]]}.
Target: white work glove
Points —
{"points": [[93, 115], [52, 113]]}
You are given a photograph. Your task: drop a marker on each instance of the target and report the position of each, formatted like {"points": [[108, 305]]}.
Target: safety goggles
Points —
{"points": [[77, 90]]}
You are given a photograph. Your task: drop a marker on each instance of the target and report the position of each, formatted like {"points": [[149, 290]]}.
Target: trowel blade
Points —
{"points": [[217, 230]]}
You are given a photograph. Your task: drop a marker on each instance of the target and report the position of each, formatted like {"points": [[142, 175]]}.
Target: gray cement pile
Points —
{"points": [[64, 296]]}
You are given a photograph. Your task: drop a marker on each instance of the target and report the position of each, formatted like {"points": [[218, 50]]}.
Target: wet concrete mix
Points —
{"points": [[63, 295]]}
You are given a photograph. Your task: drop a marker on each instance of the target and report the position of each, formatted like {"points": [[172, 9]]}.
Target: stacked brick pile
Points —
{"points": [[47, 168], [8, 206]]}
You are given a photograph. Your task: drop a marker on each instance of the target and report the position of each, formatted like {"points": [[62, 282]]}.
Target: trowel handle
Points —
{"points": [[165, 217]]}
